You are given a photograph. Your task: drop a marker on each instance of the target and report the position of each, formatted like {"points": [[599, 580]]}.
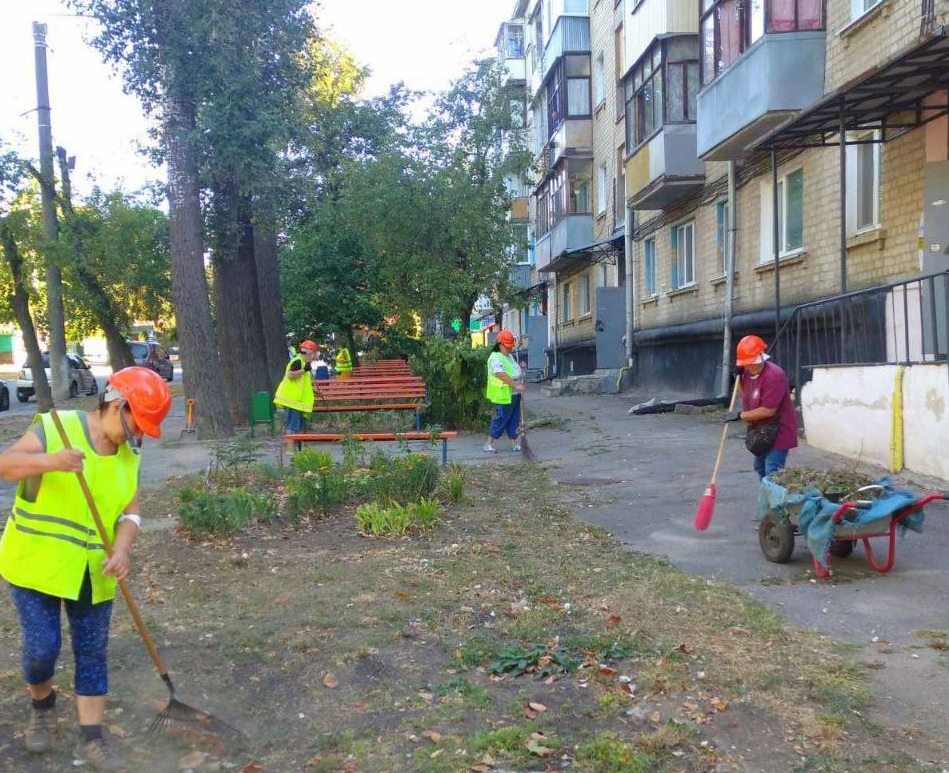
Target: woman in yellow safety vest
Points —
{"points": [[504, 391], [344, 363], [52, 555], [295, 391]]}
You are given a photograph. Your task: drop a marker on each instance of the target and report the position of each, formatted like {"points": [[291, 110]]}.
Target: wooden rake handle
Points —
{"points": [[123, 586], [724, 437]]}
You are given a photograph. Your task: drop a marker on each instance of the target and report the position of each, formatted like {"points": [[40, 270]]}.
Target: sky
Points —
{"points": [[425, 43]]}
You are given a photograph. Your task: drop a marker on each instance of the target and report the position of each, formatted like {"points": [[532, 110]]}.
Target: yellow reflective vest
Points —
{"points": [[51, 537], [296, 393], [344, 361], [497, 391]]}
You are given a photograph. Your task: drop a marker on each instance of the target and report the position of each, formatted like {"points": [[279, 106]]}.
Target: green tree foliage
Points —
{"points": [[455, 375]]}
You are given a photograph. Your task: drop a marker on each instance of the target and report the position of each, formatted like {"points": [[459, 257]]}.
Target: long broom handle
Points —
{"points": [[126, 593], [721, 442]]}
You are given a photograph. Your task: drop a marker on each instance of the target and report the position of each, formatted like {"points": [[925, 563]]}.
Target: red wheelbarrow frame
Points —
{"points": [[895, 519]]}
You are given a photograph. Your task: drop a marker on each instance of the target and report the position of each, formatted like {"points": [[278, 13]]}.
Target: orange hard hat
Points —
{"points": [[750, 348], [308, 344], [506, 337], [147, 395]]}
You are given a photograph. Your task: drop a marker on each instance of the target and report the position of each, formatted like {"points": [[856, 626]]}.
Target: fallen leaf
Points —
{"points": [[538, 707], [606, 671], [685, 649], [330, 681], [192, 760], [401, 594], [719, 704], [613, 620], [655, 717], [433, 736], [252, 767]]}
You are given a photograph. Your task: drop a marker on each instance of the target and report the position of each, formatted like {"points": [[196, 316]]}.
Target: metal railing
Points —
{"points": [[903, 323]]}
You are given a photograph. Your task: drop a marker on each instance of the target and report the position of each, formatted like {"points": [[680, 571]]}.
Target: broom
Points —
{"points": [[703, 513], [175, 711], [526, 453]]}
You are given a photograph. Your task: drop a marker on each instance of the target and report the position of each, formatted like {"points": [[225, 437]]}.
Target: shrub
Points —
{"points": [[402, 479], [315, 492], [310, 460], [206, 513], [456, 376]]}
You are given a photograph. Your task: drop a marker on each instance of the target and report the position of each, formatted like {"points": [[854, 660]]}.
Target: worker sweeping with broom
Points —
{"points": [[53, 554]]}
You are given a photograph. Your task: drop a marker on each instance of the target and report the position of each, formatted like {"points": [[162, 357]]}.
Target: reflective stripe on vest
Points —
{"points": [[296, 393], [497, 391], [50, 540]]}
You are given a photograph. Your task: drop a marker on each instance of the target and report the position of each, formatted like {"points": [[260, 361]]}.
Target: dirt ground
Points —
{"points": [[333, 652]]}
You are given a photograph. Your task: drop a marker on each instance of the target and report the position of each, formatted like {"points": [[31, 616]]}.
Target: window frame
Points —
{"points": [[683, 255], [748, 29], [860, 143], [649, 268], [652, 74], [860, 8], [601, 188], [565, 304], [766, 236], [599, 81], [584, 305], [722, 235]]}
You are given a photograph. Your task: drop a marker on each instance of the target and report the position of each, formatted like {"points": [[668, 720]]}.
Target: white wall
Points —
{"points": [[849, 410]]}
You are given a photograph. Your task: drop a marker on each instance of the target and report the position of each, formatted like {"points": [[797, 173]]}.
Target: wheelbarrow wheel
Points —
{"points": [[842, 548], [776, 537]]}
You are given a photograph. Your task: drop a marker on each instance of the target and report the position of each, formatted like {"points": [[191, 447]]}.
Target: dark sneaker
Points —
{"points": [[99, 755], [39, 733]]}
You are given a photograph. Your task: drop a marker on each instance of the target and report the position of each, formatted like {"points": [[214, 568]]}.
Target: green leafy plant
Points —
{"points": [[315, 492], [207, 513], [230, 461], [403, 479], [378, 520], [609, 754], [311, 460], [455, 375], [451, 485]]}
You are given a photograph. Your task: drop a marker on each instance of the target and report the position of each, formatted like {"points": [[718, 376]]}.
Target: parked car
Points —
{"points": [[81, 380], [4, 396], [152, 355]]}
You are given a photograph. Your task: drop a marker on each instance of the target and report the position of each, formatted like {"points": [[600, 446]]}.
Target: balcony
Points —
{"points": [[665, 169], [520, 276], [572, 232], [778, 76], [571, 35]]}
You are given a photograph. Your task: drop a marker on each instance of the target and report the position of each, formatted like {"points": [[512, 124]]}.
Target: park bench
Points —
{"points": [[301, 438], [401, 393]]}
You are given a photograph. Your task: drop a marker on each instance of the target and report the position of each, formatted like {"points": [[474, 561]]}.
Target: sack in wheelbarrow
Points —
{"points": [[815, 513]]}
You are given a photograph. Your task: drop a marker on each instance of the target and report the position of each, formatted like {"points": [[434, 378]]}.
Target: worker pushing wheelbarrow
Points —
{"points": [[831, 524]]}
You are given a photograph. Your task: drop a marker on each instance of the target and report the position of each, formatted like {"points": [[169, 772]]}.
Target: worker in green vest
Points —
{"points": [[504, 390], [52, 554], [295, 391], [344, 363]]}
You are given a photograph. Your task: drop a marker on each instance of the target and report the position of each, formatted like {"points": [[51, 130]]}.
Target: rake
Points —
{"points": [[176, 711], [526, 451]]}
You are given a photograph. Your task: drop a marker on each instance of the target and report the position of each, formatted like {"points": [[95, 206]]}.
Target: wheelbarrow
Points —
{"points": [[837, 526]]}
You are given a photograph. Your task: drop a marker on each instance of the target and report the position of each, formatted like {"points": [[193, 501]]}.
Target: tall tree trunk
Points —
{"points": [[268, 291], [238, 311], [199, 357], [21, 310], [351, 343], [103, 307]]}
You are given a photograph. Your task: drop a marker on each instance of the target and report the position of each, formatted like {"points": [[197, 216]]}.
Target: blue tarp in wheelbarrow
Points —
{"points": [[814, 514]]}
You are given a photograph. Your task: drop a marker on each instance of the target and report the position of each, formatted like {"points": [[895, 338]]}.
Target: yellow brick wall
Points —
{"points": [[885, 255], [885, 31]]}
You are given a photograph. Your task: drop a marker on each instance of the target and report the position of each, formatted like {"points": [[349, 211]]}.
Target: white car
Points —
{"points": [[81, 380]]}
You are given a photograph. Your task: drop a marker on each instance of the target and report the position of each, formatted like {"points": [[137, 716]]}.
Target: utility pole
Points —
{"points": [[54, 279]]}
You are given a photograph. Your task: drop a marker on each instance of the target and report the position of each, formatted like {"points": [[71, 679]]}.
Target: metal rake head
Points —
{"points": [[178, 714]]}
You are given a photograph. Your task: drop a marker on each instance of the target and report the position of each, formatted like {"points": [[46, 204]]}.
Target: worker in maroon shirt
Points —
{"points": [[766, 407]]}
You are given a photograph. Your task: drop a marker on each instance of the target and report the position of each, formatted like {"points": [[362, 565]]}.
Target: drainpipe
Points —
{"points": [[630, 279], [729, 281], [555, 322], [776, 242]]}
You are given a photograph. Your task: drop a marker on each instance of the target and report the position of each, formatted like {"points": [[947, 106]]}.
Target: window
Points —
{"points": [[583, 295], [860, 7], [863, 182], [514, 41], [565, 304], [601, 195], [662, 88], [683, 255], [568, 91], [722, 235], [649, 267], [728, 28], [602, 275], [599, 81], [790, 215]]}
